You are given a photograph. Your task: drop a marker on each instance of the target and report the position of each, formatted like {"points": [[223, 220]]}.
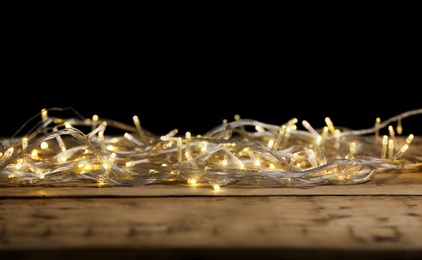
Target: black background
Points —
{"points": [[193, 80]]}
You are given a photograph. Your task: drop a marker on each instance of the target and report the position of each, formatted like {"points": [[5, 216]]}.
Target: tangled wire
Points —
{"points": [[77, 151]]}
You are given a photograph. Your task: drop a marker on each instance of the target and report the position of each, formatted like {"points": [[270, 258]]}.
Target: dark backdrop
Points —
{"points": [[197, 99], [192, 84]]}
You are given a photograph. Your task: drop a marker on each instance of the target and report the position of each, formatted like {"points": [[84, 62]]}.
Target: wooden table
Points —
{"points": [[378, 219]]}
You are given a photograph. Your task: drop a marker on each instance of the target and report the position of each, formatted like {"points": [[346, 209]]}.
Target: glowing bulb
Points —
{"points": [[280, 136], [352, 151], [173, 132], [106, 166], [133, 139], [330, 125], [392, 134], [318, 140], [311, 158], [191, 161], [390, 148], [62, 159], [337, 135], [44, 114], [112, 157], [377, 124], [24, 143], [270, 143], [399, 127], [292, 162], [7, 154], [179, 149], [108, 163], [130, 164], [188, 137], [292, 122], [44, 145], [404, 148], [310, 128], [325, 131], [384, 146], [259, 129], [192, 181], [111, 148], [34, 154], [138, 125], [409, 139]]}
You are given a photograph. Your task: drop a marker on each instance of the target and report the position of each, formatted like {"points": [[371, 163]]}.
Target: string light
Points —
{"points": [[57, 151]]}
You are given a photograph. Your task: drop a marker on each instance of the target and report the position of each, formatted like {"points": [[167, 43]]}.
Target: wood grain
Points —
{"points": [[294, 222]]}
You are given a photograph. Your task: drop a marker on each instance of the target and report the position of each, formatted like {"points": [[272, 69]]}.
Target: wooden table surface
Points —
{"points": [[379, 219]]}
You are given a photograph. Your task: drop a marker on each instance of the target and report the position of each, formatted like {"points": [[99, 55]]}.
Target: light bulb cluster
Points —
{"points": [[243, 152]]}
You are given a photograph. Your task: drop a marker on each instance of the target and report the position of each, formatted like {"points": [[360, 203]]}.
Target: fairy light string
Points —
{"points": [[56, 151]]}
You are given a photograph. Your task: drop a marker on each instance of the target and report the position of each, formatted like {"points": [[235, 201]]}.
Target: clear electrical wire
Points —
{"points": [[78, 151]]}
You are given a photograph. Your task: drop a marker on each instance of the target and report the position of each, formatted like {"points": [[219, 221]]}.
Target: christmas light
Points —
{"points": [[57, 151]]}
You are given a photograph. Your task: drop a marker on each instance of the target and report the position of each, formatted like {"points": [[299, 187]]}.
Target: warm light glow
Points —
{"points": [[192, 181], [138, 125], [62, 159], [133, 139], [179, 149], [44, 114], [216, 187], [409, 139], [44, 146], [384, 146], [399, 127], [310, 128], [377, 125], [111, 148], [24, 143], [324, 131], [242, 151], [352, 150], [330, 125], [279, 137], [311, 157], [390, 148], [7, 155]]}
